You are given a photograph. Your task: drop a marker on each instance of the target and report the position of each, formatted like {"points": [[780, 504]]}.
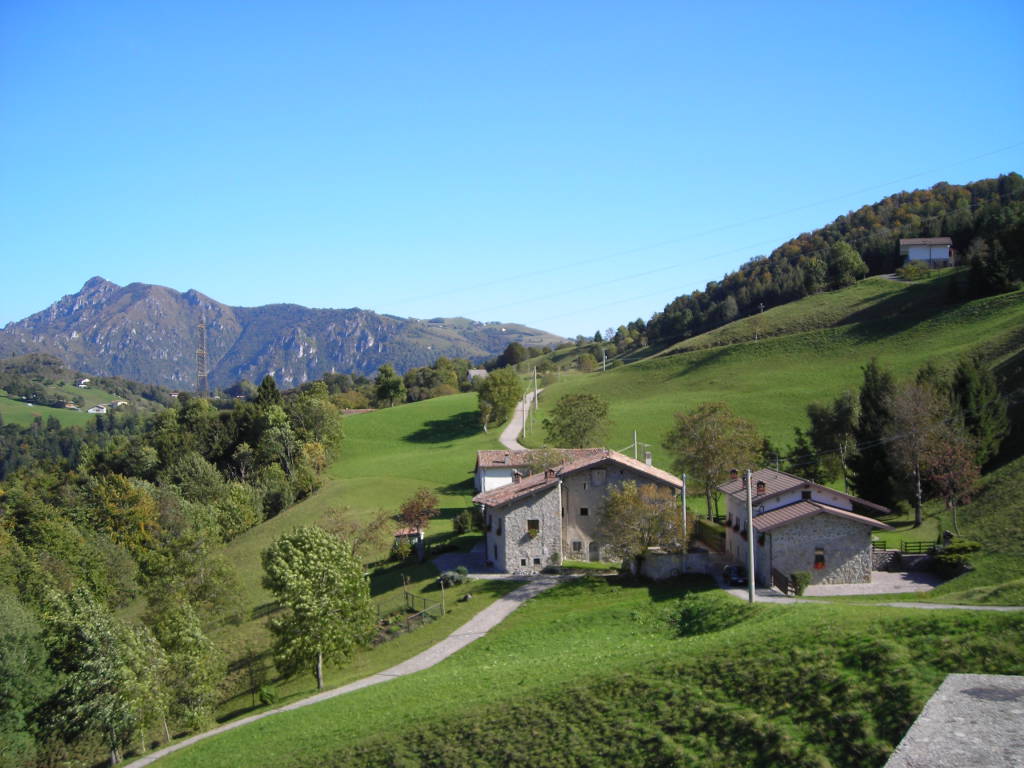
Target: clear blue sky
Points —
{"points": [[569, 165]]}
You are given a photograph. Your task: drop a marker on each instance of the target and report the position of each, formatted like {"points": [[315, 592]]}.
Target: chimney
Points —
{"points": [[549, 474], [648, 458], [516, 476], [733, 474], [760, 487]]}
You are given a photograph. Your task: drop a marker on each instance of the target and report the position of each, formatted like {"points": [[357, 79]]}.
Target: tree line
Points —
{"points": [[137, 507], [890, 442], [985, 220]]}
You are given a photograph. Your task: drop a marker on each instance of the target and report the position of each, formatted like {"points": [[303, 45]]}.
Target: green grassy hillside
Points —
{"points": [[386, 456], [16, 411], [814, 350], [603, 673]]}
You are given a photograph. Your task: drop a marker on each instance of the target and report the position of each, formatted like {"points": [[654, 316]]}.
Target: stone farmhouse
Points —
{"points": [[930, 252], [540, 519], [800, 525]]}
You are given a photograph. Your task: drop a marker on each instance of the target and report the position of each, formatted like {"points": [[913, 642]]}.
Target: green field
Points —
{"points": [[17, 411], [386, 456], [597, 672], [816, 352]]}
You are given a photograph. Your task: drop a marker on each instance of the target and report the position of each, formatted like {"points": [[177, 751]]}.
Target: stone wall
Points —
{"points": [[659, 566], [847, 547], [886, 560], [525, 554]]}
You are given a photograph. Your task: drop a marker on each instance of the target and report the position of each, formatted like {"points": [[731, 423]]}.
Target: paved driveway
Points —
{"points": [[882, 583]]}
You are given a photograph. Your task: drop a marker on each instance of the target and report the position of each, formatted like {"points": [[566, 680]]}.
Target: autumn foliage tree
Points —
{"points": [[709, 441], [637, 517], [417, 511]]}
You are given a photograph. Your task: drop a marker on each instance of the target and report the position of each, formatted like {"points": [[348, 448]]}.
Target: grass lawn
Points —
{"points": [[599, 672]]}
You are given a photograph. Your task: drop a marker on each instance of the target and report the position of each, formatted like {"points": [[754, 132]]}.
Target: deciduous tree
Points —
{"points": [[709, 441], [498, 396], [417, 510], [326, 600], [636, 517], [577, 421]]}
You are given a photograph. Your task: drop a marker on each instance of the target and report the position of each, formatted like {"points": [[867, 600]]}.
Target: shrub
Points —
{"points": [[451, 578], [913, 271], [268, 695], [462, 571], [800, 580], [401, 550], [463, 522]]}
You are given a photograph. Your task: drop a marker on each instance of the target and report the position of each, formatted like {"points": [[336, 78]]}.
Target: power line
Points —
{"points": [[712, 230]]}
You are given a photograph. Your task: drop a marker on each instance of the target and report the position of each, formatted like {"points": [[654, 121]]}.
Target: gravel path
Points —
{"points": [[510, 434], [478, 626]]}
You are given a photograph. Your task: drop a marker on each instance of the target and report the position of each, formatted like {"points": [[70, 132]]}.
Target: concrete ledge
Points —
{"points": [[972, 720]]}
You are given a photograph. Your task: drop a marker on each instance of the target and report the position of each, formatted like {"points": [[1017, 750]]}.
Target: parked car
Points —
{"points": [[734, 576]]}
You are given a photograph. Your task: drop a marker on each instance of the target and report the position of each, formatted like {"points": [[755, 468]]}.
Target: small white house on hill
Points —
{"points": [[800, 525], [932, 252]]}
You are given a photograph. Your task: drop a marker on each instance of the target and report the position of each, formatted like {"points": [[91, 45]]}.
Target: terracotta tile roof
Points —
{"points": [[512, 491], [926, 241], [541, 480], [777, 483], [780, 516], [518, 459]]}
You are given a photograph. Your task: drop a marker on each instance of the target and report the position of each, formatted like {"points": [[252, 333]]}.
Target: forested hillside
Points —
{"points": [[985, 219]]}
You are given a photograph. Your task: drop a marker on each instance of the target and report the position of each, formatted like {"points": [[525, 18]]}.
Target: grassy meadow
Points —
{"points": [[814, 351], [16, 411], [385, 457], [603, 672]]}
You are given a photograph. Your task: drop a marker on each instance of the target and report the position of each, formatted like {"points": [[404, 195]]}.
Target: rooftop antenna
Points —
{"points": [[202, 380]]}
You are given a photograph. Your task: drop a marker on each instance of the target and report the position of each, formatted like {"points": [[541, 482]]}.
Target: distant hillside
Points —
{"points": [[980, 217], [149, 333]]}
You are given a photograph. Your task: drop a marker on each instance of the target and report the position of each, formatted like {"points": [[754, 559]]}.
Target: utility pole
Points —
{"points": [[202, 380], [750, 540], [536, 396], [634, 444], [685, 545], [604, 360]]}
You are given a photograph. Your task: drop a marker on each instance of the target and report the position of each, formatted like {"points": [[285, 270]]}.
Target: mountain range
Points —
{"points": [[150, 333]]}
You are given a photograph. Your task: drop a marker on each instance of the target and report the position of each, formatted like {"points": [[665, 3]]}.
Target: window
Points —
{"points": [[536, 561], [584, 511], [533, 528], [819, 559], [577, 546], [522, 561], [806, 495], [597, 476]]}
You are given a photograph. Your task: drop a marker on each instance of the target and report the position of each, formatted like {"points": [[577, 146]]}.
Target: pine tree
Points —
{"points": [[982, 408], [872, 473]]}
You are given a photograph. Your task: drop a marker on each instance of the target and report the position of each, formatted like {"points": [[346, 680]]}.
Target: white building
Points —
{"points": [[928, 251], [98, 409]]}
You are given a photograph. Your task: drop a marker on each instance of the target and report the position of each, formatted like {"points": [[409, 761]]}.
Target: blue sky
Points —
{"points": [[571, 166]]}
